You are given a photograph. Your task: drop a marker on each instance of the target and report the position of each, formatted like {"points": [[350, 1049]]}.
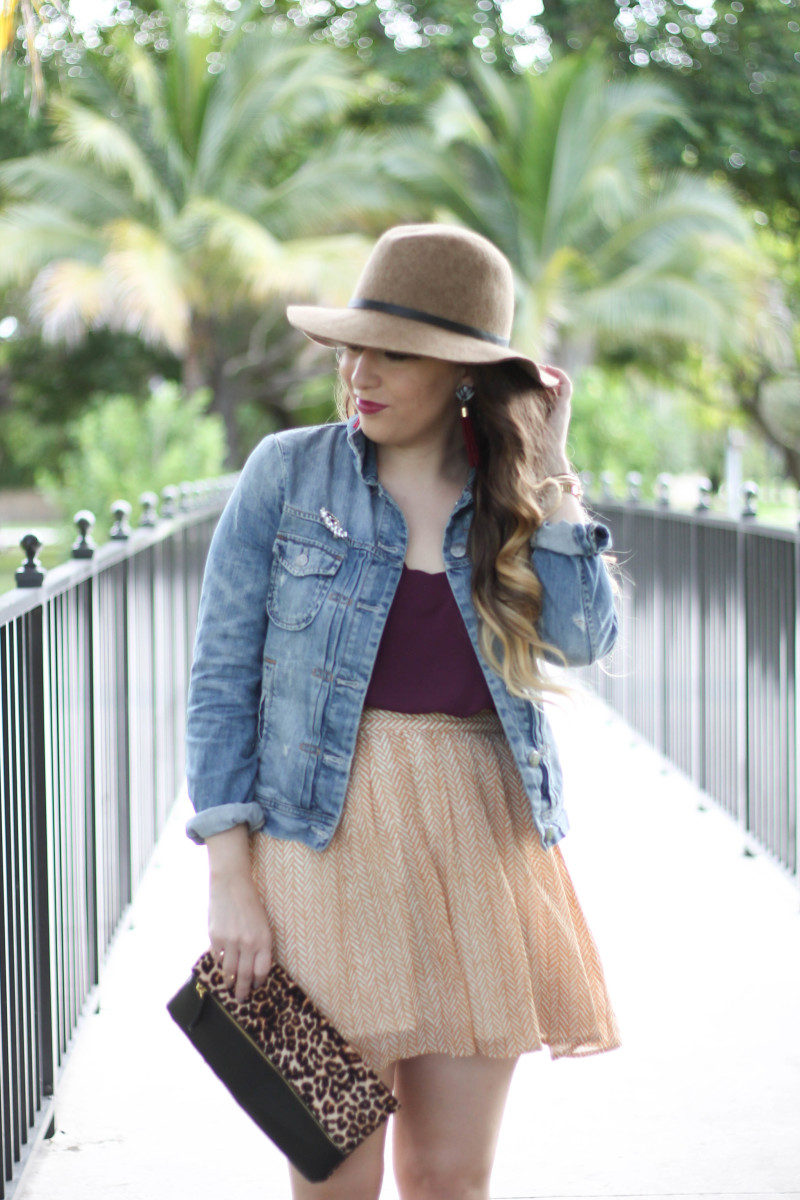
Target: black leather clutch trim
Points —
{"points": [[285, 1064], [254, 1082]]}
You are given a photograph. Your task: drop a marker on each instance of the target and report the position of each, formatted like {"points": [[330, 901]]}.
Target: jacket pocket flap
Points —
{"points": [[303, 558]]}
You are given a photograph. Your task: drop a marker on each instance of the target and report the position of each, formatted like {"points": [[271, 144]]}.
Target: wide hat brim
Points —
{"points": [[440, 291], [385, 331]]}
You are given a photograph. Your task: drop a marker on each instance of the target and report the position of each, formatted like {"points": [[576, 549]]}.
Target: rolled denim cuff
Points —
{"points": [[220, 817], [570, 537]]}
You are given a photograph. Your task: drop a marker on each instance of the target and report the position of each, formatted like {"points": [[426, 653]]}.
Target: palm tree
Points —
{"points": [[12, 12], [554, 168], [192, 183]]}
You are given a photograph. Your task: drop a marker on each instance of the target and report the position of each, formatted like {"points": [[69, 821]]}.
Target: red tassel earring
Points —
{"points": [[464, 394]]}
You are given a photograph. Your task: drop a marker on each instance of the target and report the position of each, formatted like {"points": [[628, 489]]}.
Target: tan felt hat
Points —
{"points": [[435, 290]]}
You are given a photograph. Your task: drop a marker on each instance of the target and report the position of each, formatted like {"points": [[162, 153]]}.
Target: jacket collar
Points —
{"points": [[367, 463], [363, 450]]}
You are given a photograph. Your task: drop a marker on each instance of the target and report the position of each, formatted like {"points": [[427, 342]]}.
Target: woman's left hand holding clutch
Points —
{"points": [[239, 931]]}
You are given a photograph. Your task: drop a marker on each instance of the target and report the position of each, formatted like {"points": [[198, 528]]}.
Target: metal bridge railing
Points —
{"points": [[93, 674], [707, 665]]}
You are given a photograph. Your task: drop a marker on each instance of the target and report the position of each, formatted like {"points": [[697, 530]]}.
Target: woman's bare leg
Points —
{"points": [[445, 1134], [359, 1177]]}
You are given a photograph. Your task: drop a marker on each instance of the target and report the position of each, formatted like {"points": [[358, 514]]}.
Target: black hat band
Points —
{"points": [[416, 314]]}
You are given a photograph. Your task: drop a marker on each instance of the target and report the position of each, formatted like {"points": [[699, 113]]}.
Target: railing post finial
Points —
{"points": [[606, 485], [634, 481], [704, 489], [121, 529], [31, 573], [149, 503], [83, 546], [749, 494], [185, 493], [662, 489], [170, 497]]}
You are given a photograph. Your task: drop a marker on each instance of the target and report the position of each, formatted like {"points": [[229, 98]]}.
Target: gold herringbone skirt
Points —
{"points": [[435, 922]]}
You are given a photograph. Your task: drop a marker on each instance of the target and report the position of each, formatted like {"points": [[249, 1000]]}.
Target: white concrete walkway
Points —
{"points": [[702, 952]]}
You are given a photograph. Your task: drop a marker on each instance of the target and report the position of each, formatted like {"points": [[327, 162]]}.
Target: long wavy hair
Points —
{"points": [[513, 495]]}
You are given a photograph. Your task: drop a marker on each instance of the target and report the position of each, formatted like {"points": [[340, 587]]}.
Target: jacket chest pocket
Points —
{"points": [[301, 578]]}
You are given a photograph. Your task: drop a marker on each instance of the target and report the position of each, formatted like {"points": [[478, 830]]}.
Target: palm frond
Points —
{"points": [[52, 177], [147, 282], [149, 109], [642, 306], [324, 269], [680, 206], [505, 116], [31, 235], [271, 88], [208, 227], [27, 13], [68, 297], [600, 151], [600, 244], [454, 118], [91, 136], [266, 267], [347, 183]]}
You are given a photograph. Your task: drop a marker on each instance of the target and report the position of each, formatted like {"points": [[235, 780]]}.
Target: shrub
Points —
{"points": [[123, 448]]}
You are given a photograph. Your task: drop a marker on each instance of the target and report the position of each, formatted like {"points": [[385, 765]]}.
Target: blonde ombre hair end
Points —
{"points": [[514, 495]]}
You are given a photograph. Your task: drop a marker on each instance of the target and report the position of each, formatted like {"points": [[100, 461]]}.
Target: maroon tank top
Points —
{"points": [[426, 661]]}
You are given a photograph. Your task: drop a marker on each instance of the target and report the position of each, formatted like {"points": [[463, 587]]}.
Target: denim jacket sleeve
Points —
{"points": [[578, 612], [225, 685]]}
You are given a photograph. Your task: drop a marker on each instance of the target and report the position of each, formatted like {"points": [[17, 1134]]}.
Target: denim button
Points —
{"points": [[302, 558], [534, 758], [458, 550]]}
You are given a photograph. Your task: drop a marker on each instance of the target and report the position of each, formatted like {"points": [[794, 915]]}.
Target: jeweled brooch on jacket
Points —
{"points": [[333, 523]]}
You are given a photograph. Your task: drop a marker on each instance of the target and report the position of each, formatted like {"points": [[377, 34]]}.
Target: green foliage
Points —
{"points": [[206, 168], [20, 133], [203, 167], [44, 388], [416, 42], [122, 449], [734, 63], [556, 169], [312, 402], [624, 421]]}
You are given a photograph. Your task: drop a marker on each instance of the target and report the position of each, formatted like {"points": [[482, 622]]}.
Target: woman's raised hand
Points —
{"points": [[558, 418], [241, 938]]}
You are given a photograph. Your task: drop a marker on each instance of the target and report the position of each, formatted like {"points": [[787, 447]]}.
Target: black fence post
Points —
{"points": [[86, 619], [37, 785], [707, 665], [86, 657]]}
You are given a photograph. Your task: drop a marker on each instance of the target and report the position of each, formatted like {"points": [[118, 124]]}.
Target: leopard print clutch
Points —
{"points": [[285, 1063]]}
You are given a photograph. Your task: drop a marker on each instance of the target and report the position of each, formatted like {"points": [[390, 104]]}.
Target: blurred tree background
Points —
{"points": [[172, 174], [176, 439]]}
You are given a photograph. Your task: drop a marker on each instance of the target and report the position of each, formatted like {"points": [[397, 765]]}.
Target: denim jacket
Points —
{"points": [[300, 576]]}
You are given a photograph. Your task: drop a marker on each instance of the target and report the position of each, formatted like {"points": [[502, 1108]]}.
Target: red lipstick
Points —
{"points": [[369, 406]]}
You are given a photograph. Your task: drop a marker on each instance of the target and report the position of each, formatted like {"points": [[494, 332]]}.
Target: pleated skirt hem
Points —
{"points": [[435, 922]]}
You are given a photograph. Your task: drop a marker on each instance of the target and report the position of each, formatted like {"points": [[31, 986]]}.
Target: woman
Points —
{"points": [[368, 755]]}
